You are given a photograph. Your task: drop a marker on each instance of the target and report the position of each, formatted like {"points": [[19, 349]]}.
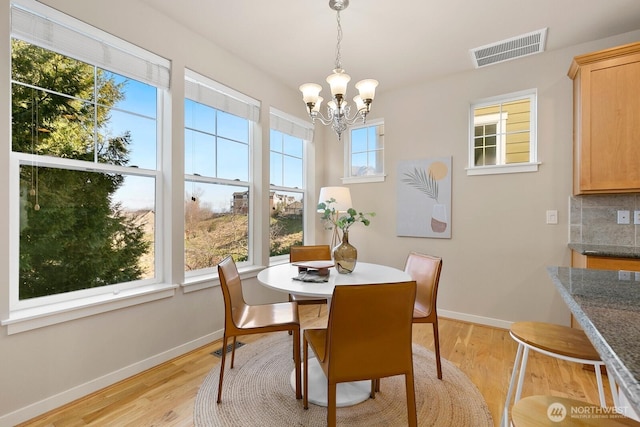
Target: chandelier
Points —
{"points": [[338, 109]]}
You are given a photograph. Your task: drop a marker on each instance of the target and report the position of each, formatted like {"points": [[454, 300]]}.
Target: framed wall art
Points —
{"points": [[424, 198]]}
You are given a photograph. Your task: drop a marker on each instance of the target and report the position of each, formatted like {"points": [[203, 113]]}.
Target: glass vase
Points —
{"points": [[345, 255]]}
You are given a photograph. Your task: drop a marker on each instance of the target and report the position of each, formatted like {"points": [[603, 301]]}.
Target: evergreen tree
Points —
{"points": [[72, 236]]}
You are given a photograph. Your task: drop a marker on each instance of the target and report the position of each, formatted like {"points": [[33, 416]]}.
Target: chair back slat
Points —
{"points": [[231, 284], [299, 253], [369, 331], [425, 270]]}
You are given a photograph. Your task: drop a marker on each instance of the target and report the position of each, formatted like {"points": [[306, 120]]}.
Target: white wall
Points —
{"points": [[493, 265]]}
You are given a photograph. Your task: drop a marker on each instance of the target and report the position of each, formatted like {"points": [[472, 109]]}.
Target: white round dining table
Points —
{"points": [[280, 277]]}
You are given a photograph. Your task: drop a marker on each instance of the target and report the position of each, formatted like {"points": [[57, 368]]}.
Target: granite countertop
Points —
{"points": [[606, 250], [607, 306]]}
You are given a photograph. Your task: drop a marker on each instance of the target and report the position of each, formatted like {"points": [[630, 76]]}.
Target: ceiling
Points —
{"points": [[396, 42]]}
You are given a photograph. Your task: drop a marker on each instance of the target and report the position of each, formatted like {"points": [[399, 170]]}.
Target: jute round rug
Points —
{"points": [[257, 392]]}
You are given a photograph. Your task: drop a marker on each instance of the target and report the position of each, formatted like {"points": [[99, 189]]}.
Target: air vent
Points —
{"points": [[515, 47]]}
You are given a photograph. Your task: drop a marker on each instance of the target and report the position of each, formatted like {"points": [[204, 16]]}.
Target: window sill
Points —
{"points": [[363, 178], [38, 317], [500, 169], [205, 281]]}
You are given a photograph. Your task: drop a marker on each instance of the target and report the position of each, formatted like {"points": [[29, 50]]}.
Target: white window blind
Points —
{"points": [[50, 29], [290, 125], [206, 91]]}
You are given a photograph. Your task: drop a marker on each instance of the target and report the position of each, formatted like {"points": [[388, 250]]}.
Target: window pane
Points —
{"points": [[73, 236], [292, 172], [198, 116], [233, 127], [275, 141], [374, 162], [139, 98], [292, 146], [359, 140], [276, 173], [216, 224], [286, 222], [359, 164], [69, 76], [47, 124], [490, 156], [199, 154], [137, 134], [233, 160]]}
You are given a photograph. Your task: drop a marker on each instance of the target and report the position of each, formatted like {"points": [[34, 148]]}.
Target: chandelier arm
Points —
{"points": [[319, 117]]}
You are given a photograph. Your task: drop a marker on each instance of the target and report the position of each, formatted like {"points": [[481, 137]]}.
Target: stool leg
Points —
{"points": [[505, 414], [614, 390], [523, 368], [598, 370]]}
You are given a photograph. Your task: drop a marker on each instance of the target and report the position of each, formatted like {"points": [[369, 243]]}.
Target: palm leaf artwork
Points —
{"points": [[423, 182]]}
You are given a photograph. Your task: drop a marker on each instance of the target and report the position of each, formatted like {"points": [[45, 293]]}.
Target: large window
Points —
{"points": [[364, 153], [287, 167], [217, 145], [503, 134], [84, 157]]}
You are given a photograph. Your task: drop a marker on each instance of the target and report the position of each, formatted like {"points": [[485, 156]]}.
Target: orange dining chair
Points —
{"points": [[368, 336], [425, 270], [243, 319], [309, 253]]}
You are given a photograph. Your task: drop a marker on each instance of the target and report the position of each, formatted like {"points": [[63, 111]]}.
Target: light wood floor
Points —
{"points": [[164, 395]]}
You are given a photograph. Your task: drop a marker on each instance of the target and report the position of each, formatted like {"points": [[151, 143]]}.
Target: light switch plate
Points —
{"points": [[636, 217], [552, 217], [623, 217]]}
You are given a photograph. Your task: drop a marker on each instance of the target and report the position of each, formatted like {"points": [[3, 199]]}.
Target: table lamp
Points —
{"points": [[342, 197]]}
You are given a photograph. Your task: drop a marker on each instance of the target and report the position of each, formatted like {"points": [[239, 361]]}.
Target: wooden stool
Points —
{"points": [[561, 342], [539, 411]]}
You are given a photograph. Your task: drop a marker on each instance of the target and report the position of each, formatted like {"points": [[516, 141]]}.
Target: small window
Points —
{"points": [[503, 134], [364, 153]]}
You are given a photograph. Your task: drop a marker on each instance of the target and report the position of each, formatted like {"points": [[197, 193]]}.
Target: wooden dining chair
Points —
{"points": [[243, 319], [368, 335], [425, 270], [299, 253]]}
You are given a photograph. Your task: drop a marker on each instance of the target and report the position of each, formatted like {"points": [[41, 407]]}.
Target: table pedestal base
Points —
{"points": [[347, 394]]}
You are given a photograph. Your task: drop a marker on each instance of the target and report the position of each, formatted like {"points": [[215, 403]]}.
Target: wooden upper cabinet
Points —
{"points": [[606, 121]]}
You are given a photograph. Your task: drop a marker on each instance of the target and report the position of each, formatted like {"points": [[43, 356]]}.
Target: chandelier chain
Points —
{"points": [[339, 40]]}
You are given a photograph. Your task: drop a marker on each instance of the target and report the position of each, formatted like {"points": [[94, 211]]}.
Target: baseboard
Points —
{"points": [[82, 390], [471, 318]]}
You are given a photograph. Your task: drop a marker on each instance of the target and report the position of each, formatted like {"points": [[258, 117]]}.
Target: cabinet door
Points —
{"points": [[609, 145]]}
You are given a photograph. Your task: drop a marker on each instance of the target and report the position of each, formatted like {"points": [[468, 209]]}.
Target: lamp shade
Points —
{"points": [[310, 92], [342, 195], [359, 102], [367, 88], [338, 83]]}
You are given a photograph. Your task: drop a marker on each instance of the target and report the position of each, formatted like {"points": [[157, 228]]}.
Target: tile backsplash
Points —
{"points": [[593, 219]]}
